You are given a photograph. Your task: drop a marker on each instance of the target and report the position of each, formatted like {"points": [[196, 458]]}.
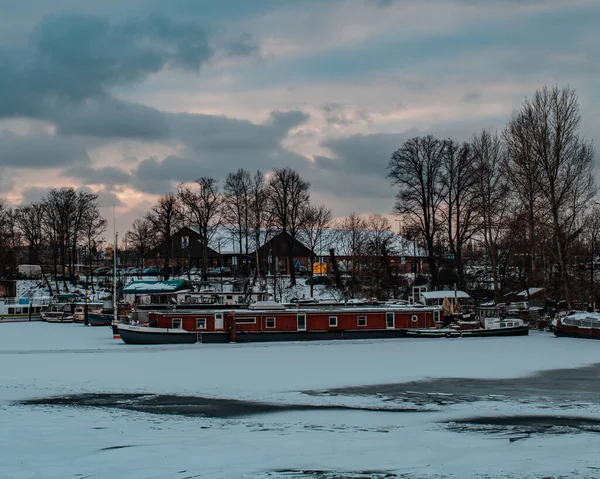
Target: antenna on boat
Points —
{"points": [[115, 310]]}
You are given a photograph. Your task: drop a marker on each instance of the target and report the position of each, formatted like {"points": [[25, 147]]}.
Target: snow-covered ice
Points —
{"points": [[39, 360]]}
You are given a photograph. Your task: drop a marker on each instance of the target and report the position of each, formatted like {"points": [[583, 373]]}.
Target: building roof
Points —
{"points": [[155, 287], [444, 294]]}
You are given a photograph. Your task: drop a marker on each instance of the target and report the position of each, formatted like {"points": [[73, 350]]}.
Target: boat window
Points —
{"points": [[270, 322], [436, 316], [509, 325], [576, 322], [586, 324], [333, 321], [503, 325], [414, 318], [229, 296], [201, 323], [362, 320], [389, 320], [245, 320], [176, 323], [11, 310], [17, 310]]}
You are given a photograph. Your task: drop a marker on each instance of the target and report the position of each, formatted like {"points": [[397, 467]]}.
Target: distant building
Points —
{"points": [[184, 250]]}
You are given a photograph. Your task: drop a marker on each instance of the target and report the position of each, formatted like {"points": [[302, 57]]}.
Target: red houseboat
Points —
{"points": [[578, 325], [273, 322]]}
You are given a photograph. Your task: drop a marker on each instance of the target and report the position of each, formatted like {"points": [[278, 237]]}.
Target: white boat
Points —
{"points": [[22, 309]]}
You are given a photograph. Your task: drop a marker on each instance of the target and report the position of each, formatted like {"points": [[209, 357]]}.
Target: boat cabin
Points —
{"points": [[265, 321]]}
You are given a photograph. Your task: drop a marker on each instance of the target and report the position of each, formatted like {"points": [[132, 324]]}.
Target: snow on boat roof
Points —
{"points": [[444, 294], [150, 287], [255, 308]]}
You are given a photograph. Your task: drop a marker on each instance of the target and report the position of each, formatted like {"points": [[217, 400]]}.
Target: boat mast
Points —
{"points": [[115, 310]]}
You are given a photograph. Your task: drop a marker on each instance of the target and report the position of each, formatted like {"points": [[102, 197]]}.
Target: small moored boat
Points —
{"points": [[471, 329], [132, 334]]}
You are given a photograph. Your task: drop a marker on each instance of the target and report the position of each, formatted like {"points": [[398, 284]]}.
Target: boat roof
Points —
{"points": [[444, 294], [155, 287], [325, 310]]}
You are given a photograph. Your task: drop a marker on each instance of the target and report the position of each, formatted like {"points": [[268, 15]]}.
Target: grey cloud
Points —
{"points": [[73, 60], [157, 177], [7, 181], [105, 198], [338, 114], [108, 175], [244, 46], [283, 121], [40, 151], [363, 154], [112, 118], [29, 195], [78, 56], [210, 132], [217, 145]]}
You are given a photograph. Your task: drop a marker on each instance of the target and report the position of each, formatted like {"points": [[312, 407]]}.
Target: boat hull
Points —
{"points": [[580, 333], [100, 319], [146, 335], [19, 318], [468, 333]]}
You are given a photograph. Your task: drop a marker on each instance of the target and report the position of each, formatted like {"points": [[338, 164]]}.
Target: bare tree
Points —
{"points": [[236, 208], [141, 238], [288, 195], [9, 241], [30, 219], [166, 219], [318, 220], [85, 212], [522, 171], [257, 217], [492, 196], [380, 249], [202, 207], [93, 227], [565, 163], [352, 242], [417, 170], [459, 211]]}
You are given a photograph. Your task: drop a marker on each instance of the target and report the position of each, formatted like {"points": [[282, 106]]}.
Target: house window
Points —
{"points": [[362, 320], [245, 320], [333, 321], [414, 318], [176, 323], [436, 316], [201, 323], [270, 323], [301, 322], [389, 320]]}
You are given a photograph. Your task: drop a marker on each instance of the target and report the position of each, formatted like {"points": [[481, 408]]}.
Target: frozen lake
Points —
{"points": [[76, 403]]}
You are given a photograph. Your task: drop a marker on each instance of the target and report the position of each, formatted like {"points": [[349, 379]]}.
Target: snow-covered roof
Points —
{"points": [[444, 294], [532, 291], [154, 287]]}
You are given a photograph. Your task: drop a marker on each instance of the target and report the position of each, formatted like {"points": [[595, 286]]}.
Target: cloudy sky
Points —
{"points": [[128, 98]]}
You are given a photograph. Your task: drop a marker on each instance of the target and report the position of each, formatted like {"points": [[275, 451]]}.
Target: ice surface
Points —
{"points": [[40, 360]]}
